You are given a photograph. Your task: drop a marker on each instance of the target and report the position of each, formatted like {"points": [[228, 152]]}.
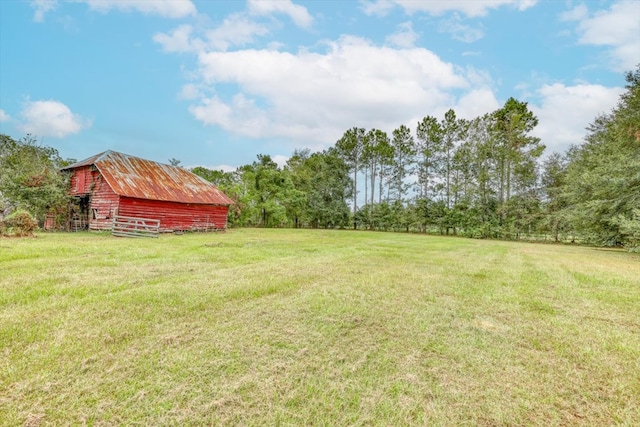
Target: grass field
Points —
{"points": [[311, 327]]}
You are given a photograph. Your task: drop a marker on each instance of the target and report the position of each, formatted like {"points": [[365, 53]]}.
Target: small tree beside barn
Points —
{"points": [[113, 184]]}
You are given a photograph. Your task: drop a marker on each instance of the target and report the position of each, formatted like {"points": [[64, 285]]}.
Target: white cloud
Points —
{"points": [[280, 160], [404, 37], [298, 14], [238, 116], [617, 27], [460, 31], [51, 118], [438, 7], [311, 98], [41, 8], [4, 117], [565, 112], [223, 167], [378, 7], [578, 13], [178, 40], [235, 30], [165, 8], [476, 103], [189, 91]]}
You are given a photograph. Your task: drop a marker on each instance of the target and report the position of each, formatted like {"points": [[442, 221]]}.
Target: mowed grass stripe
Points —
{"points": [[315, 327]]}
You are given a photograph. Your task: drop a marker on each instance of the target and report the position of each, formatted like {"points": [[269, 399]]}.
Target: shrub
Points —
{"points": [[20, 223]]}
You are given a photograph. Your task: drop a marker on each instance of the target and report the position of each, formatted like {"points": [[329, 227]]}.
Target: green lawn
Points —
{"points": [[310, 327]]}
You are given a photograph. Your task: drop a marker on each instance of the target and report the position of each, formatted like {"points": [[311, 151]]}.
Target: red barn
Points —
{"points": [[112, 183]]}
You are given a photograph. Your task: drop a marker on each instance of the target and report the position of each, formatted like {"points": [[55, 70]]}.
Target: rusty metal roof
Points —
{"points": [[131, 176]]}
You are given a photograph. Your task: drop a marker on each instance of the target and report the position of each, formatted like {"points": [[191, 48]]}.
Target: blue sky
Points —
{"points": [[214, 83]]}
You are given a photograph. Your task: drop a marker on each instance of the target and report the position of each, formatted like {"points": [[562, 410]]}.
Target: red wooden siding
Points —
{"points": [[81, 181], [173, 215], [88, 182], [104, 203]]}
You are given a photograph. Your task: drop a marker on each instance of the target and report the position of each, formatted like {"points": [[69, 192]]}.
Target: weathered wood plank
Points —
{"points": [[135, 227]]}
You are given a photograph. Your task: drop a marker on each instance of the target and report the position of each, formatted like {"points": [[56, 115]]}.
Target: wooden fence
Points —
{"points": [[125, 226]]}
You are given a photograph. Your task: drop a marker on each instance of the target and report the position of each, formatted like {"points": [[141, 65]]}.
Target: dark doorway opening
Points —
{"points": [[79, 214]]}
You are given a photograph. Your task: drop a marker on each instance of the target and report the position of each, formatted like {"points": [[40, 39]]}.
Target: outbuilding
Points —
{"points": [[113, 184]]}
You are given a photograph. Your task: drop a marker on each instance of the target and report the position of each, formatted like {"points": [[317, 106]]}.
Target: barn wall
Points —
{"points": [[81, 181], [104, 203], [173, 215], [87, 181]]}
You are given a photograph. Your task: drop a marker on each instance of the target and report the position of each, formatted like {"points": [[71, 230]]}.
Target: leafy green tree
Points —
{"points": [[231, 184], [328, 189], [274, 191], [219, 178], [30, 177], [603, 175], [246, 196], [302, 180], [553, 180]]}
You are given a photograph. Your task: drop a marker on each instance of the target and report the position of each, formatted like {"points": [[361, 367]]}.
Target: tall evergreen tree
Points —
{"points": [[517, 149], [376, 154], [452, 132], [403, 157], [350, 147], [428, 149]]}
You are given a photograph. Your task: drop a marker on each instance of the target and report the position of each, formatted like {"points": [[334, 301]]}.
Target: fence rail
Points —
{"points": [[125, 226]]}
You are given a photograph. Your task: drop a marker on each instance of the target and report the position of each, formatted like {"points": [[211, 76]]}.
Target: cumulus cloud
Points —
{"points": [[280, 160], [617, 28], [476, 103], [51, 118], [438, 7], [564, 112], [178, 40], [236, 30], [312, 97], [298, 14], [404, 36], [4, 117]]}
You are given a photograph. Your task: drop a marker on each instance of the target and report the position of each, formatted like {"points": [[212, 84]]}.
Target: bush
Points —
{"points": [[20, 223]]}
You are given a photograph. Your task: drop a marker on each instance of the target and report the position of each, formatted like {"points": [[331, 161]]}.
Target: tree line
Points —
{"points": [[482, 178]]}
